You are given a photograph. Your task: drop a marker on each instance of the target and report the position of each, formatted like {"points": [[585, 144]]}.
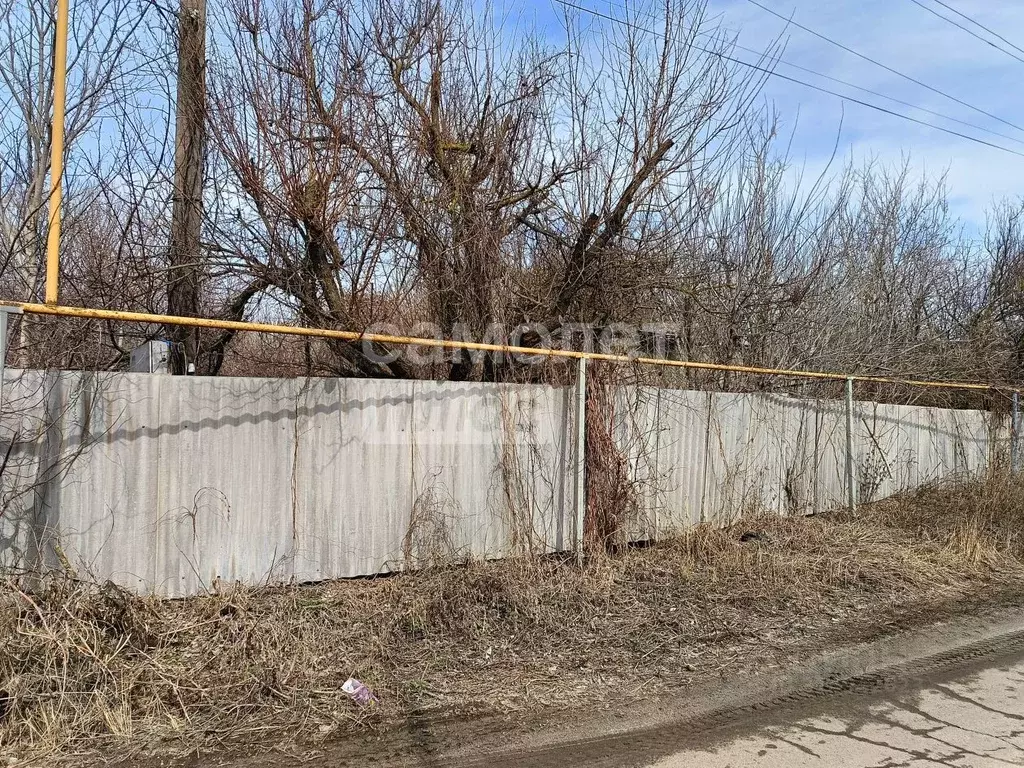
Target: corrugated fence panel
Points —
{"points": [[681, 457], [902, 447], [352, 488], [636, 432], [225, 453], [533, 487], [745, 467], [798, 461], [184, 482], [106, 514], [456, 444], [173, 484], [23, 425], [980, 441], [828, 455]]}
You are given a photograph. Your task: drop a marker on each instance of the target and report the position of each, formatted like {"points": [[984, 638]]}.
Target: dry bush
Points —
{"points": [[612, 496], [85, 668], [981, 522], [805, 562]]}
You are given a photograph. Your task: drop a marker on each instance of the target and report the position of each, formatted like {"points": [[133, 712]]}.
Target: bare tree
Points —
{"points": [[410, 155], [102, 38], [411, 162]]}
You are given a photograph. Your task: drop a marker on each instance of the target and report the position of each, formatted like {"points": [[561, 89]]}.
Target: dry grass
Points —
{"points": [[978, 522], [85, 668]]}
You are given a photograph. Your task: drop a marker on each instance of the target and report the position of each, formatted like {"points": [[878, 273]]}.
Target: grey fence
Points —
{"points": [[174, 485]]}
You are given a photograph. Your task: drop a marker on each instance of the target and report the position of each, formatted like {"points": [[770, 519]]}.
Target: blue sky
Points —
{"points": [[913, 41], [907, 38]]}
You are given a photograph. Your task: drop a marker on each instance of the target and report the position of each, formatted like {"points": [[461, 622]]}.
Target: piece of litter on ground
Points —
{"points": [[358, 692]]}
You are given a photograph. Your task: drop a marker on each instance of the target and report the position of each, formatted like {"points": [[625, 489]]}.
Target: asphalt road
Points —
{"points": [[962, 706], [974, 720]]}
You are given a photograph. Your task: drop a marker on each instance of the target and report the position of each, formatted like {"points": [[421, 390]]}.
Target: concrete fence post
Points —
{"points": [[5, 313], [581, 456], [851, 476]]}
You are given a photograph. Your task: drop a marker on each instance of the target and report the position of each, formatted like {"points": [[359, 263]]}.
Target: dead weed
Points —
{"points": [[85, 667]]}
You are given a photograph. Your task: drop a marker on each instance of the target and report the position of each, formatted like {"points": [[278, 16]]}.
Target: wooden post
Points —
{"points": [[184, 257]]}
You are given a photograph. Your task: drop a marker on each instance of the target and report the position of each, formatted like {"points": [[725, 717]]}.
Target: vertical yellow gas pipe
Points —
{"points": [[60, 72]]}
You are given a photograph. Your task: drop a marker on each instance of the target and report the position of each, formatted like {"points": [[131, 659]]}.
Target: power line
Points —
{"points": [[979, 24], [881, 95], [877, 63], [862, 89], [772, 73], [970, 32]]}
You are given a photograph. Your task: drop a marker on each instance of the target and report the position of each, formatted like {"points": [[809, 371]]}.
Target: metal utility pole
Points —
{"points": [[1015, 433], [581, 458], [185, 258], [851, 467]]}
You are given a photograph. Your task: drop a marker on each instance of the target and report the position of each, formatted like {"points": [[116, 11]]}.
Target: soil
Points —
{"points": [[859, 655], [525, 651]]}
